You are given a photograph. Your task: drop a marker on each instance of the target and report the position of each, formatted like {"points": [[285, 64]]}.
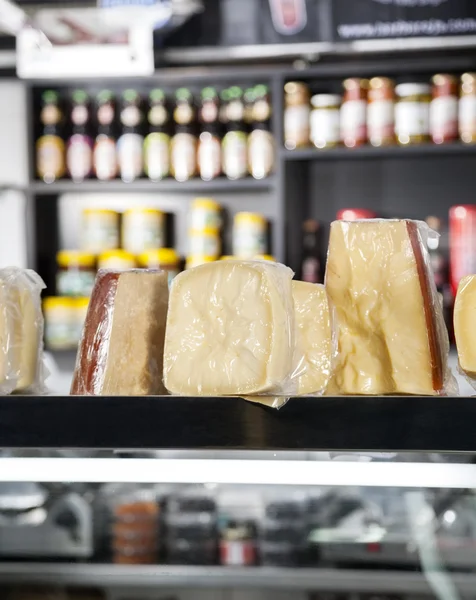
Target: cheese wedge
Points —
{"points": [[230, 329], [391, 334], [121, 348], [464, 319], [313, 336]]}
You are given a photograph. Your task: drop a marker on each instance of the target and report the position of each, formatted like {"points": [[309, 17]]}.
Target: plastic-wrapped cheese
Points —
{"points": [[121, 347], [391, 332], [465, 325], [313, 336], [230, 329]]}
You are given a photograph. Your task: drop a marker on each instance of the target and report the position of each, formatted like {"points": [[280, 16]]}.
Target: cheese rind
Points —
{"points": [[230, 330], [464, 319], [121, 347], [313, 336], [391, 333]]}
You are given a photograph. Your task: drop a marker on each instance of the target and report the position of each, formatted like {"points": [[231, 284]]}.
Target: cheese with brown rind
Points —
{"points": [[391, 334], [121, 348], [464, 319]]}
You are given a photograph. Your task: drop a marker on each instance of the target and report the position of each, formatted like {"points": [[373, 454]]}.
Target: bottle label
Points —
{"points": [[105, 159], [157, 115], [79, 157], [79, 114], [325, 127], [50, 157], [131, 116], [105, 114], [261, 153], [235, 155], [183, 156], [353, 121], [209, 156], [444, 117], [156, 155], [296, 126], [205, 245], [467, 116], [130, 156], [381, 119], [412, 118]]}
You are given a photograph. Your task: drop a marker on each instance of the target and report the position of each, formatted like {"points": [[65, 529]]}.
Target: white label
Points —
{"points": [[235, 155], [467, 114], [79, 158], [130, 156], [261, 153], [325, 126], [444, 116], [296, 126], [184, 156], [353, 119], [105, 159], [412, 118], [205, 245], [209, 158], [142, 231], [157, 163], [249, 240], [380, 118]]}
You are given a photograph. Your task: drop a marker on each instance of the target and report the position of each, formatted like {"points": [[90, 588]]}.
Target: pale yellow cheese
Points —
{"points": [[6, 330], [465, 324], [313, 336], [230, 329], [391, 336]]}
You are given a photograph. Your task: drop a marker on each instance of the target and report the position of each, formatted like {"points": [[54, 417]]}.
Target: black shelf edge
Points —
{"points": [[405, 424], [144, 185], [368, 151], [315, 579]]}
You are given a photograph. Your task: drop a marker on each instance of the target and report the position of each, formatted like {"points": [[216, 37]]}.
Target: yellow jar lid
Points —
{"points": [[100, 211], [206, 203], [227, 257], [265, 257], [249, 217], [143, 211], [52, 302], [195, 260], [159, 256], [75, 258], [118, 253], [207, 231], [82, 302]]}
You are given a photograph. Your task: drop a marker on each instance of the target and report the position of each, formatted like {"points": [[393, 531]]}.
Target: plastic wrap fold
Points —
{"points": [[391, 333], [122, 343], [21, 332]]}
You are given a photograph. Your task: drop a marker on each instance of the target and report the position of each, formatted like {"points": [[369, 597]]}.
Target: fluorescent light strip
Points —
{"points": [[262, 472]]}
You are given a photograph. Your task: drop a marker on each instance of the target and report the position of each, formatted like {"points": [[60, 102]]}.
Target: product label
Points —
{"points": [[75, 282], [296, 126], [79, 157], [105, 159], [380, 119], [209, 156], [353, 121], [235, 155], [130, 116], [444, 117], [261, 153], [183, 156], [130, 156], [50, 157], [79, 114], [143, 231], [467, 117], [412, 118], [325, 127], [205, 245], [249, 241], [156, 156]]}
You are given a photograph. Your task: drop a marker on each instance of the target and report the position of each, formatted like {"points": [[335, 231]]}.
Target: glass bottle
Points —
{"points": [[50, 147], [260, 140], [444, 109], [79, 152], [157, 142], [310, 261], [209, 142], [467, 108], [296, 115], [183, 150], [104, 155], [381, 111], [353, 112], [131, 142], [235, 141]]}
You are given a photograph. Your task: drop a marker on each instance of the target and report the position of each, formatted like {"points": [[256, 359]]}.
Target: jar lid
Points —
{"points": [[352, 83], [325, 100], [265, 257], [206, 203], [100, 211], [443, 78], [410, 89], [194, 260], [118, 253], [205, 231], [159, 256], [58, 302], [75, 258], [82, 302], [249, 217], [143, 211], [377, 83]]}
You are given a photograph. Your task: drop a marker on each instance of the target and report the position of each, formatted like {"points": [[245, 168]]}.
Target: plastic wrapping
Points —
{"points": [[21, 332], [231, 331], [121, 346], [391, 333], [464, 328]]}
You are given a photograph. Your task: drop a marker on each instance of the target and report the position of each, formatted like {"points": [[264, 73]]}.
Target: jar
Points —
{"points": [[100, 230], [296, 115], [119, 260], [412, 113], [196, 260], [249, 235], [325, 120], [205, 214], [353, 112], [444, 109], [80, 312], [59, 322], [166, 259], [381, 111], [238, 545], [467, 108], [76, 273], [142, 229], [205, 242]]}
